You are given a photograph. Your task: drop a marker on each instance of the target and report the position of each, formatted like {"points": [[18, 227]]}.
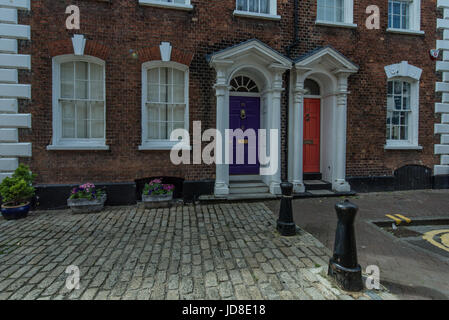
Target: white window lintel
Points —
{"points": [[247, 14], [169, 5]]}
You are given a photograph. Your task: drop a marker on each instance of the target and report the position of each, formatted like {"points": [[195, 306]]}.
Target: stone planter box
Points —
{"points": [[86, 206], [161, 201]]}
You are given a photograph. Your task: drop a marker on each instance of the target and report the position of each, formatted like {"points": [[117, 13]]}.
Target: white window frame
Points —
{"points": [[414, 17], [59, 143], [348, 16], [411, 74], [272, 15], [162, 144], [165, 4]]}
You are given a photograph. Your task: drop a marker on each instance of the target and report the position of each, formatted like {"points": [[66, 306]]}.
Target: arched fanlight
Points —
{"points": [[243, 84], [311, 87]]}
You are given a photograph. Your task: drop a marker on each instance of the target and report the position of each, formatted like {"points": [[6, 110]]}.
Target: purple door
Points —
{"points": [[244, 114]]}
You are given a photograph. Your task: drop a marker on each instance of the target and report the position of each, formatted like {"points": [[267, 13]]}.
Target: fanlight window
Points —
{"points": [[311, 88], [243, 84]]}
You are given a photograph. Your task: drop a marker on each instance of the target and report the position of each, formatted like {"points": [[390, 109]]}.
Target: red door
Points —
{"points": [[311, 151]]}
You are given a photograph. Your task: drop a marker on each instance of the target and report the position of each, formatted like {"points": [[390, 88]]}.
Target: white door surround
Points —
{"points": [[330, 70], [265, 66]]}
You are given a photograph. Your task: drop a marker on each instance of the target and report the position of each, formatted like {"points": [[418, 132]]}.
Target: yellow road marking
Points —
{"points": [[403, 218], [397, 220], [428, 236], [445, 239]]}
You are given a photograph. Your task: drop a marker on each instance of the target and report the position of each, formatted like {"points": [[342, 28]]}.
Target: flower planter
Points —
{"points": [[86, 205], [159, 201], [15, 212]]}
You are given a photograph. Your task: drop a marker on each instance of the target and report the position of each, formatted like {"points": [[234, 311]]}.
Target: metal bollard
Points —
{"points": [[343, 266], [285, 224]]}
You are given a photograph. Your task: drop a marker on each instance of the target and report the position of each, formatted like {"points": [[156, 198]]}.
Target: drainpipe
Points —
{"points": [[288, 51], [295, 29]]}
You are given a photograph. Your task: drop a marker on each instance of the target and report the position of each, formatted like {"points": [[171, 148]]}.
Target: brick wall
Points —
{"points": [[117, 28]]}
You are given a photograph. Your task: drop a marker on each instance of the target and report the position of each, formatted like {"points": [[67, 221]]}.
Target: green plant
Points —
{"points": [[18, 189], [24, 173]]}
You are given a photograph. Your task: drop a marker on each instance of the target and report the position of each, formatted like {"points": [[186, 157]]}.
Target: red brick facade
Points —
{"points": [[126, 34]]}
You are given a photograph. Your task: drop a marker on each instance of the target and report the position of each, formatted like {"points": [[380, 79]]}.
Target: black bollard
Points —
{"points": [[343, 266], [285, 224]]}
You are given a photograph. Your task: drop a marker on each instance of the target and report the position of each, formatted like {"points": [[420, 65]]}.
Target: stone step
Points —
{"points": [[245, 178], [239, 190], [312, 176], [245, 184], [317, 185], [251, 196]]}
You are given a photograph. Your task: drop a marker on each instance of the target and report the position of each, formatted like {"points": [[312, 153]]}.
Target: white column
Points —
{"points": [[339, 184], [222, 123], [297, 135], [275, 123]]}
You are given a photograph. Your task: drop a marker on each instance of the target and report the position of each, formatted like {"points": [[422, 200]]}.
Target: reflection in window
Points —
{"points": [[256, 6], [398, 110], [166, 102], [399, 14], [82, 100], [330, 10], [243, 84], [311, 87]]}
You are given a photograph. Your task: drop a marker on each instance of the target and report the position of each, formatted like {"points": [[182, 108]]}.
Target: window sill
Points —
{"points": [[405, 31], [335, 24], [76, 147], [163, 145], [402, 147], [254, 15], [167, 5]]}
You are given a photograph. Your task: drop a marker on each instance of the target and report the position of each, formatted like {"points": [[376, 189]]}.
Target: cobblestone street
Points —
{"points": [[226, 251]]}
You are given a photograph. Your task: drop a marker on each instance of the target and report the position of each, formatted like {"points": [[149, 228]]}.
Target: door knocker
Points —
{"points": [[307, 117], [243, 114]]}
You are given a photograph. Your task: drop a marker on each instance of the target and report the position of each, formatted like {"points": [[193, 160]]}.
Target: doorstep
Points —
{"points": [[269, 196]]}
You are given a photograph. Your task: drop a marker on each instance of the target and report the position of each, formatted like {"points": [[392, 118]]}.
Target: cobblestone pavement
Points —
{"points": [[408, 271], [225, 251]]}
